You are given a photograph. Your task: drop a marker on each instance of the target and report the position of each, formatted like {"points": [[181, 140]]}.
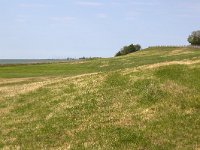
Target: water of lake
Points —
{"points": [[29, 61]]}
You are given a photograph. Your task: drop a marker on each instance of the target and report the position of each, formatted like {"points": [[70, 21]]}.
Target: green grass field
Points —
{"points": [[146, 100]]}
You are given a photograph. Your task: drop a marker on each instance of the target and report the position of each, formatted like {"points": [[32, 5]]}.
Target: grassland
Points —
{"points": [[146, 100]]}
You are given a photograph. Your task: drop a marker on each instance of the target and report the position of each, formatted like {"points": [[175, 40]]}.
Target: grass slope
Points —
{"points": [[146, 100]]}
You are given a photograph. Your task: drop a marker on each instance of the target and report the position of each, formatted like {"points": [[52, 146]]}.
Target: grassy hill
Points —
{"points": [[146, 100]]}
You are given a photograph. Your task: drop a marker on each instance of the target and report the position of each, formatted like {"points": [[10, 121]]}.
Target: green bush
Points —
{"points": [[194, 38], [128, 49]]}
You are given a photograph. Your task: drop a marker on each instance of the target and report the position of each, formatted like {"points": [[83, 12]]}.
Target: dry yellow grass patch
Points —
{"points": [[4, 111], [13, 80], [89, 82], [105, 65], [21, 119], [10, 91], [189, 111], [186, 62], [157, 65], [11, 148], [148, 114], [79, 62], [179, 52], [124, 119], [61, 107], [21, 80], [84, 83], [174, 88], [119, 117]]}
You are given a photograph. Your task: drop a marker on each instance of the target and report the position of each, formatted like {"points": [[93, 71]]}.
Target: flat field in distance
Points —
{"points": [[146, 100]]}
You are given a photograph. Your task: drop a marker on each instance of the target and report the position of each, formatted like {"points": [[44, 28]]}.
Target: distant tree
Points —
{"points": [[118, 54], [128, 49], [82, 58], [137, 47], [194, 38]]}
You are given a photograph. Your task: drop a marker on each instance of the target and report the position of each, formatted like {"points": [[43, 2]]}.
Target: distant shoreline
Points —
{"points": [[31, 61]]}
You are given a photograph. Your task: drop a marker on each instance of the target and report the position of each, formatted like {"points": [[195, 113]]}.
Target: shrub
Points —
{"points": [[194, 38], [128, 49]]}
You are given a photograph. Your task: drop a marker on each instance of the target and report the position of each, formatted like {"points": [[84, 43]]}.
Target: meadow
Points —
{"points": [[146, 100]]}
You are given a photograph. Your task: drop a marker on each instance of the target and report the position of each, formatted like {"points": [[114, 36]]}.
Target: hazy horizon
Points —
{"points": [[38, 29]]}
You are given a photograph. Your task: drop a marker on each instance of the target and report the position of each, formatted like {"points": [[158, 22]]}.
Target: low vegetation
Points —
{"points": [[145, 100], [128, 49], [194, 38]]}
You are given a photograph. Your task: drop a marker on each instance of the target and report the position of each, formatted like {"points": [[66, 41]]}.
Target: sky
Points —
{"points": [[57, 29]]}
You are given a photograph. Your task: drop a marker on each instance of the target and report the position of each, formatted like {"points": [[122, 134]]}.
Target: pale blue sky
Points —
{"points": [[76, 28]]}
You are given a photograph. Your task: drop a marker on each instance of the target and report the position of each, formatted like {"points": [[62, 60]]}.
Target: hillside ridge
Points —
{"points": [[146, 100]]}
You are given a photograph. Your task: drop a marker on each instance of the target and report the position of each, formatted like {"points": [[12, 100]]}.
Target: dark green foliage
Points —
{"points": [[194, 38], [128, 49], [118, 54]]}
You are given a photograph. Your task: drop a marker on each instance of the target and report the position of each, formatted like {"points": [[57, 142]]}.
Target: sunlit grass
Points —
{"points": [[140, 101]]}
